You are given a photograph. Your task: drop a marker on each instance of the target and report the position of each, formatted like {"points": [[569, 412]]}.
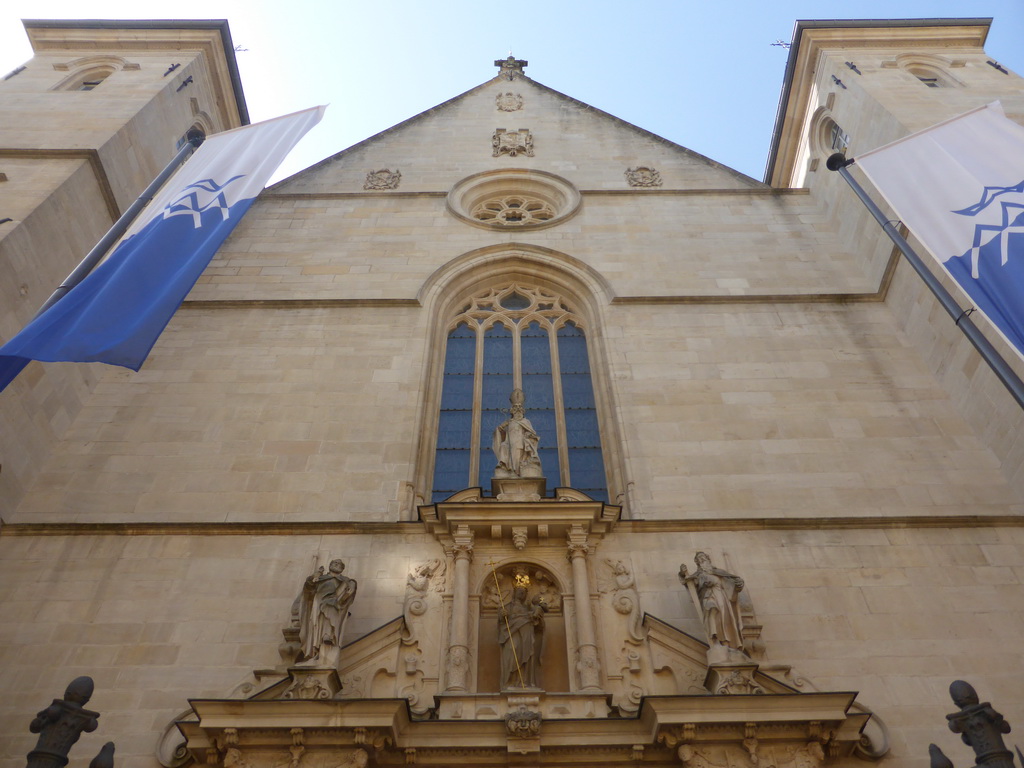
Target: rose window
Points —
{"points": [[513, 211]]}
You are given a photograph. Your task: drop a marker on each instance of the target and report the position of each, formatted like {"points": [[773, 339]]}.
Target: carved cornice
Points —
{"points": [[254, 528], [778, 724]]}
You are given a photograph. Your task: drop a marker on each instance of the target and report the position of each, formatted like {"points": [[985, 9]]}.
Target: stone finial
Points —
{"points": [[511, 67], [980, 727], [62, 723]]}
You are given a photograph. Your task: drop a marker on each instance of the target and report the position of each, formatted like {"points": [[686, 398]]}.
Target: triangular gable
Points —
{"points": [[591, 147]]}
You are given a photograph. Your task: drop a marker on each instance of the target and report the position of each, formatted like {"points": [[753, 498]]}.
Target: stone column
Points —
{"points": [[587, 663], [457, 663]]}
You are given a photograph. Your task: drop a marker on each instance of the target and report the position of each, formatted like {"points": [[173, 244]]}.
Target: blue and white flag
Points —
{"points": [[117, 312], [959, 188]]}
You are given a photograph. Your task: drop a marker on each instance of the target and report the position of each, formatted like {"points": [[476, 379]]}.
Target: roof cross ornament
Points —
{"points": [[511, 66]]}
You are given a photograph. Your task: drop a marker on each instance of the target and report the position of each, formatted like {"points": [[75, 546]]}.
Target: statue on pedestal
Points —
{"points": [[718, 597], [324, 604], [515, 443], [521, 634]]}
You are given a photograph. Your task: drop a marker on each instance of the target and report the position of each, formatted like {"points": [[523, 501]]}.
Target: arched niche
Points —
{"points": [[497, 591]]}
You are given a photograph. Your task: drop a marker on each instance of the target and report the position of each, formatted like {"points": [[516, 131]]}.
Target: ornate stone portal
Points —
{"points": [[516, 639]]}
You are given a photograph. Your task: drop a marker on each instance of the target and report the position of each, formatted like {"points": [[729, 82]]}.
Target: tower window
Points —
{"points": [[931, 82], [516, 337], [88, 85], [839, 141]]}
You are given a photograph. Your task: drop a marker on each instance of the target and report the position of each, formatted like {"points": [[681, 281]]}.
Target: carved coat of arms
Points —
{"points": [[511, 143], [383, 179], [642, 176], [509, 102]]}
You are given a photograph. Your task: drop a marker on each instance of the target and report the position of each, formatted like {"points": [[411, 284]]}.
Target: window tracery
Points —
{"points": [[513, 211], [517, 337]]}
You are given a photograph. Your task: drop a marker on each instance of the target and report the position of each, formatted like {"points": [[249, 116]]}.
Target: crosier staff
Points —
{"points": [[504, 613]]}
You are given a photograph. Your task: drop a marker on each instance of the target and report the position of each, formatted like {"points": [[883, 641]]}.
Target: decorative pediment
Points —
{"points": [[517, 639]]}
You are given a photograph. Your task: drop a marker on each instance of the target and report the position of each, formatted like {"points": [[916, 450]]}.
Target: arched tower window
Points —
{"points": [[518, 337], [931, 71]]}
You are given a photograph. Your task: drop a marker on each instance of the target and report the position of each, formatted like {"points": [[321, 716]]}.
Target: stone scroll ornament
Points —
{"points": [[980, 727], [323, 609], [62, 723], [417, 586], [626, 600]]}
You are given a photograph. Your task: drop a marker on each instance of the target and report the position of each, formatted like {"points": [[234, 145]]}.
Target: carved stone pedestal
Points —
{"points": [[518, 488], [312, 683], [732, 678]]}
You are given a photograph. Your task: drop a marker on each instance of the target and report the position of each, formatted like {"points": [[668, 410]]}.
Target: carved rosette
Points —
{"points": [[642, 176], [383, 179], [512, 143], [509, 102]]}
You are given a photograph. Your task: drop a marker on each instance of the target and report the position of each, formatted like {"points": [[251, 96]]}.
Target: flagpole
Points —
{"points": [[838, 162], [194, 138]]}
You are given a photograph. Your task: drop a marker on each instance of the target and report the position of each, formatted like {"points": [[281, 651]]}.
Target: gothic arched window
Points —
{"points": [[516, 337]]}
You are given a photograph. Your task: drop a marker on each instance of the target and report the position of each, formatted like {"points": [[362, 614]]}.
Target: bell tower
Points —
{"points": [[97, 112]]}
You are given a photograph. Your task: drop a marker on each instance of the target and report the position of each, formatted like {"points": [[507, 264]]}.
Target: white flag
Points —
{"points": [[959, 188], [117, 312]]}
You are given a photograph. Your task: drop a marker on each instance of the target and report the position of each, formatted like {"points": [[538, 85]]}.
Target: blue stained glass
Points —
{"points": [[460, 356], [451, 473], [515, 300], [572, 350], [457, 392], [454, 430], [549, 463], [577, 390], [489, 421], [498, 350], [536, 350], [539, 392], [581, 429], [496, 391], [586, 466]]}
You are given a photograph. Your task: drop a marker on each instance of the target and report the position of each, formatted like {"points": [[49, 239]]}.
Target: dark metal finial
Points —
{"points": [[61, 724], [980, 727], [939, 760], [837, 161], [195, 136], [105, 757]]}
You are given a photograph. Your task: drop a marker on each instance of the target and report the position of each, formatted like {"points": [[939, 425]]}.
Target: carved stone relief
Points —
{"points": [[509, 102], [511, 67], [625, 599], [512, 143], [810, 755], [523, 723], [424, 579], [383, 179], [642, 176]]}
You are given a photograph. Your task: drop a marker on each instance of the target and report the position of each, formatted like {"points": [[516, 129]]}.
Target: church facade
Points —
{"points": [[513, 435]]}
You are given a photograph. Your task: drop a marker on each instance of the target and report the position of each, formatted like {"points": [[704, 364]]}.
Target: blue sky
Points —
{"points": [[704, 75]]}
